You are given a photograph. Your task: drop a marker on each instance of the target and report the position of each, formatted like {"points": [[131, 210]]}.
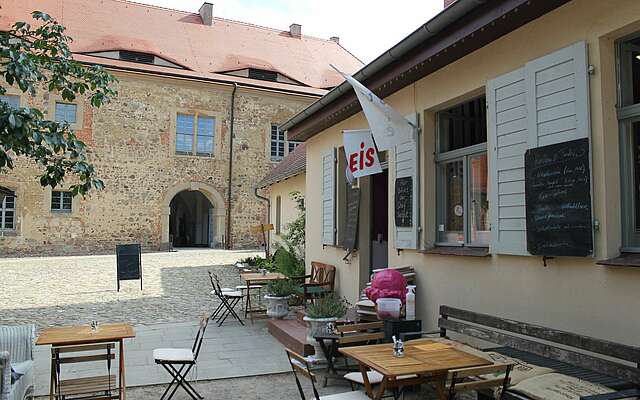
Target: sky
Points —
{"points": [[365, 28]]}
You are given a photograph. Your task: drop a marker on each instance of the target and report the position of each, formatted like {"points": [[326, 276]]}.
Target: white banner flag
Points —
{"points": [[389, 128], [362, 158]]}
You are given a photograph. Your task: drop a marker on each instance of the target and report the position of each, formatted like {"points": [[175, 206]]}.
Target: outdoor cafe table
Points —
{"points": [[428, 360], [82, 335], [257, 278]]}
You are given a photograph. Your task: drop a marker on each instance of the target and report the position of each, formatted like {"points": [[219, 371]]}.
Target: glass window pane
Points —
{"points": [[9, 202], [205, 135], [463, 125], [451, 227], [8, 220], [635, 140], [66, 113], [13, 101], [478, 200], [184, 133]]}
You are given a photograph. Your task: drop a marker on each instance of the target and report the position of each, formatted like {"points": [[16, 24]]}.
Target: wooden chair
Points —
{"points": [[299, 365], [478, 378], [318, 283]]}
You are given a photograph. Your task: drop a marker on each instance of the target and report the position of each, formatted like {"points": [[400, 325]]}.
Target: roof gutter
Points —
{"points": [[434, 26]]}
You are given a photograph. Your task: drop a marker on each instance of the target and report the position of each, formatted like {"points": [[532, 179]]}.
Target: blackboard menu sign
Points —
{"points": [[129, 263], [350, 238], [404, 202], [558, 197]]}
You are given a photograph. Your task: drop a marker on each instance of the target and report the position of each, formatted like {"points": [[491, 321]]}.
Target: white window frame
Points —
{"points": [[627, 114], [292, 143], [61, 209], [441, 159], [7, 96], [66, 106], [3, 217], [275, 143], [195, 135]]}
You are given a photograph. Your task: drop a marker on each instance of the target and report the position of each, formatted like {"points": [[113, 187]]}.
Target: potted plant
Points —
{"points": [[320, 314], [277, 296]]}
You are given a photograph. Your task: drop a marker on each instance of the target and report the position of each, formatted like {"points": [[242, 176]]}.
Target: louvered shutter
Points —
{"points": [[558, 96], [507, 143], [329, 198], [407, 168]]}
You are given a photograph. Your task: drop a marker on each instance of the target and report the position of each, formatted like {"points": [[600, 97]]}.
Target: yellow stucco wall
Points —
{"points": [[573, 294], [289, 210]]}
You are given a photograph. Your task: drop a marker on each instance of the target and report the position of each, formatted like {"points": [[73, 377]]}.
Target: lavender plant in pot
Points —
{"points": [[277, 297], [320, 314]]}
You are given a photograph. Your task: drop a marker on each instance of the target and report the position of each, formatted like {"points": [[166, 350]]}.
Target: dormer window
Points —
{"points": [[263, 75], [134, 56]]}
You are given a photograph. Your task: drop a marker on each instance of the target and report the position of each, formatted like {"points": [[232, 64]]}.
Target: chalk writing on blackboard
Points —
{"points": [[558, 199], [404, 202]]}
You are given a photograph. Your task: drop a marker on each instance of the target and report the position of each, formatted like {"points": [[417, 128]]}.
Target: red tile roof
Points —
{"points": [[293, 164], [182, 38]]}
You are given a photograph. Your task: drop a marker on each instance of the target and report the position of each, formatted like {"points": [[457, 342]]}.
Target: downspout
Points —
{"points": [[231, 134], [266, 245]]}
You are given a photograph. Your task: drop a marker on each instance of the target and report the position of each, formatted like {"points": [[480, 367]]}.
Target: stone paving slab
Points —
{"points": [[228, 351]]}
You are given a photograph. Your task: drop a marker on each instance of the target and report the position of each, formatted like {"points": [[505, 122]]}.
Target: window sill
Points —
{"points": [[8, 233], [458, 251], [623, 260], [195, 156]]}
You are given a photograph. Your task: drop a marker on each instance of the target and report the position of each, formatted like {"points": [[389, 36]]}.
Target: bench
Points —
{"points": [[318, 283], [614, 365]]}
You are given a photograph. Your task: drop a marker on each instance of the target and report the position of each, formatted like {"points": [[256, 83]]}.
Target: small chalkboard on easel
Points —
{"points": [[129, 263]]}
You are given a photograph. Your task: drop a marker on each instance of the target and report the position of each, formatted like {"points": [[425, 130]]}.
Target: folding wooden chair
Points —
{"points": [[228, 301], [300, 366], [178, 363], [478, 378]]}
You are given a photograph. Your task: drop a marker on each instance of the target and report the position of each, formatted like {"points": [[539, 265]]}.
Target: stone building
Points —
{"points": [[200, 100]]}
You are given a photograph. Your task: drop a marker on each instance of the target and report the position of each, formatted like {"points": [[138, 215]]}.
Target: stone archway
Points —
{"points": [[218, 212]]}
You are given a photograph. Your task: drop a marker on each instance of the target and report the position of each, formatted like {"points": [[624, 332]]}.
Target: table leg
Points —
{"points": [[365, 379], [248, 303], [382, 388], [440, 389], [53, 375], [121, 370]]}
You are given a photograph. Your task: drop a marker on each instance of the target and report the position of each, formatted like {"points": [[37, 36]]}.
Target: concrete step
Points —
{"points": [[292, 334]]}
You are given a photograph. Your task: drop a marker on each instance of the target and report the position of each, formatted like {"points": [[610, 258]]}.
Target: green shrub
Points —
{"points": [[288, 263], [281, 288], [329, 306]]}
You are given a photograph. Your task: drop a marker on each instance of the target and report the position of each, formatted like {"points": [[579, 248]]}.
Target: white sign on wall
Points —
{"points": [[361, 153]]}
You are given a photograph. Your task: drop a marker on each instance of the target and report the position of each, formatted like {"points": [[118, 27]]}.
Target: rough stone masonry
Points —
{"points": [[132, 144]]}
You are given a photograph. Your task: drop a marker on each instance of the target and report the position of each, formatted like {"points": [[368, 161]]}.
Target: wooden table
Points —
{"points": [[257, 278], [82, 338], [430, 361]]}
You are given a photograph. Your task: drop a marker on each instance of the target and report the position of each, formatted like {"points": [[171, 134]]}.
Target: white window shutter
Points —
{"points": [[329, 198], [407, 166], [507, 142], [558, 96]]}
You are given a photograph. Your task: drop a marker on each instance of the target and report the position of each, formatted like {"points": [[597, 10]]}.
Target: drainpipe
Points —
{"points": [[266, 245], [231, 134]]}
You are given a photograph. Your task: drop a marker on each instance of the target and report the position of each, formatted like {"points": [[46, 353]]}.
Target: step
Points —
{"points": [[292, 334]]}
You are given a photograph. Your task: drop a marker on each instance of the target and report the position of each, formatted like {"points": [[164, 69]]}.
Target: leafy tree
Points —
{"points": [[38, 58], [295, 231]]}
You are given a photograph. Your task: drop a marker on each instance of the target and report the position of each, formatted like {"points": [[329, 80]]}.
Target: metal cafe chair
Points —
{"points": [[300, 366], [178, 363], [228, 301]]}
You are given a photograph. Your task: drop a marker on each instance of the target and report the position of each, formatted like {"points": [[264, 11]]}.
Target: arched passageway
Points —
{"points": [[193, 216], [191, 220]]}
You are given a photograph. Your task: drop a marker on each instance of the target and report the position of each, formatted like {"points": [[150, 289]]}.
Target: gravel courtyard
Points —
{"points": [[74, 290]]}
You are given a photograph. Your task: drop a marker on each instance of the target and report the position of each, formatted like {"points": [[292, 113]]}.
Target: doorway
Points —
{"points": [[191, 220], [379, 237]]}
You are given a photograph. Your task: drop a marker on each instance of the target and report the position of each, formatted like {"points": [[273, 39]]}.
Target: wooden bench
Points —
{"points": [[611, 364]]}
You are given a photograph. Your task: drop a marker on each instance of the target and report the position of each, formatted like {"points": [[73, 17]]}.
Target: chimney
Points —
{"points": [[295, 30], [206, 13], [335, 39], [447, 3]]}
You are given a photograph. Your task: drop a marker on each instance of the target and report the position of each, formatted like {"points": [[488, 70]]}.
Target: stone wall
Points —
{"points": [[132, 144]]}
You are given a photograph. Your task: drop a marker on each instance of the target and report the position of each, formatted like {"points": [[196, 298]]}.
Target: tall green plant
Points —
{"points": [[295, 231], [288, 262]]}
